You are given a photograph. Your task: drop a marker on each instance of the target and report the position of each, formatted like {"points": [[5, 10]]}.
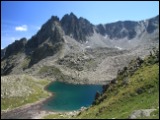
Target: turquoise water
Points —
{"points": [[68, 97]]}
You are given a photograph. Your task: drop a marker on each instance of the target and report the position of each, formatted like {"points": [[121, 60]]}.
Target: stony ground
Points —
{"points": [[89, 66]]}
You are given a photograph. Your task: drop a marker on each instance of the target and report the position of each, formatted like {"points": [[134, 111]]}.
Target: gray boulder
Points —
{"points": [[141, 113]]}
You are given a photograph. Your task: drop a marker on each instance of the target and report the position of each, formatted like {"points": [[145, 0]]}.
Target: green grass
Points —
{"points": [[25, 63], [54, 72], [32, 90], [49, 69]]}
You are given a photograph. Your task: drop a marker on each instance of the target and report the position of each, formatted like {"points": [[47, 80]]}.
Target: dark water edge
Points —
{"points": [[68, 97]]}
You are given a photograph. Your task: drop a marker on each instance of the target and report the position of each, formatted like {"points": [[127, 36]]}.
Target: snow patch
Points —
{"points": [[106, 36], [118, 47], [88, 46]]}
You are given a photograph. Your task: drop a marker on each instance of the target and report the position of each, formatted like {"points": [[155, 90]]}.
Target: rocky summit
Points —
{"points": [[76, 51]]}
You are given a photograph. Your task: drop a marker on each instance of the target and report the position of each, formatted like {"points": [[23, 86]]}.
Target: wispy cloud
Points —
{"points": [[21, 28]]}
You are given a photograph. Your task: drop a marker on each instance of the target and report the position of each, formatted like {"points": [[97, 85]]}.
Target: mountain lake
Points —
{"points": [[68, 97]]}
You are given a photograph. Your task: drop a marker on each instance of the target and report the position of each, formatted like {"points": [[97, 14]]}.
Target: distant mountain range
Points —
{"points": [[71, 35]]}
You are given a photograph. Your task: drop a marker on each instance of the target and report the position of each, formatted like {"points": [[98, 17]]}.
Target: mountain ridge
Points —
{"points": [[103, 29], [81, 50]]}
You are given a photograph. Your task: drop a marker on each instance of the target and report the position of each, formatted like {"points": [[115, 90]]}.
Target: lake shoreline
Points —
{"points": [[31, 110], [35, 107], [70, 97], [35, 110]]}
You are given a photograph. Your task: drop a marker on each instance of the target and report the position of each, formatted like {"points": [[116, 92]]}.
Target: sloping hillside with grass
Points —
{"points": [[18, 90], [135, 88]]}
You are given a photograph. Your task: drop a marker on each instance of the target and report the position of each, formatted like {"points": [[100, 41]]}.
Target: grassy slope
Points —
{"points": [[120, 100], [141, 92], [18, 90], [123, 100]]}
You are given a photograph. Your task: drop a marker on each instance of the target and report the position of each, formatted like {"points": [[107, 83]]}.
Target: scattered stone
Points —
{"points": [[125, 81], [114, 81], [141, 113], [140, 90]]}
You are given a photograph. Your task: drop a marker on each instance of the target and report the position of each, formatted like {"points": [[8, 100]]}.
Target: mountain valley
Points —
{"points": [[122, 56]]}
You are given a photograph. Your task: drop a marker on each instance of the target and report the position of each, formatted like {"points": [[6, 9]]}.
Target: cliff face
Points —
{"points": [[78, 28], [14, 48]]}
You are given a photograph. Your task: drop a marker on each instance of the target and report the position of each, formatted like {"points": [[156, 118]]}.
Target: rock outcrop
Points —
{"points": [[78, 28], [141, 113]]}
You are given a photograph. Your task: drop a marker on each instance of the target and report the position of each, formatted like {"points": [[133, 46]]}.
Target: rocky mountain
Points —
{"points": [[129, 29], [79, 51], [16, 47], [2, 53], [78, 28]]}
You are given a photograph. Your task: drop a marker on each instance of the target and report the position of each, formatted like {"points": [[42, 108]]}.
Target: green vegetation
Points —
{"points": [[25, 63], [18, 90], [49, 69], [136, 87], [52, 71], [122, 100]]}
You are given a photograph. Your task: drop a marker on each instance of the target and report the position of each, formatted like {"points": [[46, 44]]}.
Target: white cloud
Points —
{"points": [[21, 28]]}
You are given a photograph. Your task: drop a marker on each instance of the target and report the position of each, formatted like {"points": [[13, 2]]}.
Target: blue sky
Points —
{"points": [[24, 19]]}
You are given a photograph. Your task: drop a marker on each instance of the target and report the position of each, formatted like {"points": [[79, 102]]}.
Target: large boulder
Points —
{"points": [[141, 113]]}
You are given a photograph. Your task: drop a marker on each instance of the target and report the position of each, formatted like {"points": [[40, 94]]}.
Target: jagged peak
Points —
{"points": [[72, 14], [69, 16], [83, 19], [48, 25], [54, 18], [23, 39]]}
